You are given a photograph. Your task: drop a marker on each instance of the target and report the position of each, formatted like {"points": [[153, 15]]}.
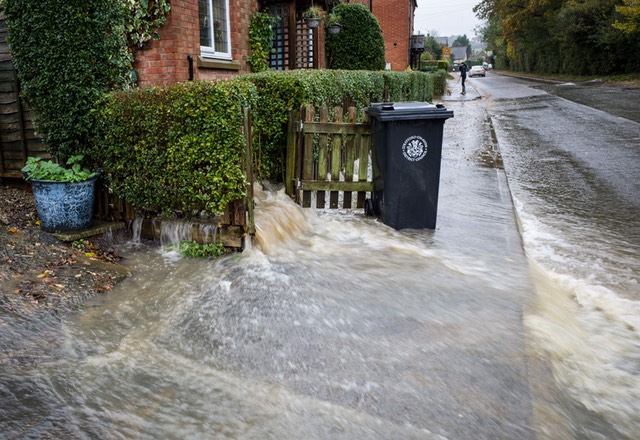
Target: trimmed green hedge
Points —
{"points": [[359, 45], [181, 147], [175, 148]]}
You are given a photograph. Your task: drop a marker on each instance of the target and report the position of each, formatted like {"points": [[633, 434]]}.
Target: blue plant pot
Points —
{"points": [[64, 206]]}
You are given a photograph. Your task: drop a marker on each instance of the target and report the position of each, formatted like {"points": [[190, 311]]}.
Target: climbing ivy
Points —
{"points": [[67, 54], [142, 20], [260, 40]]}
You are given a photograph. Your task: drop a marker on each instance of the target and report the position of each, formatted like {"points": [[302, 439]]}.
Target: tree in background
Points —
{"points": [[463, 40], [561, 36], [432, 49], [359, 45], [630, 21]]}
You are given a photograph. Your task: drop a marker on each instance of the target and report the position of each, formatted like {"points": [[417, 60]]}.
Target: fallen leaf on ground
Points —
{"points": [[44, 274]]}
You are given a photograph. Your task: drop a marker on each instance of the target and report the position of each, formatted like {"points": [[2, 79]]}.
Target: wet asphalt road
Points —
{"points": [[562, 116], [572, 157]]}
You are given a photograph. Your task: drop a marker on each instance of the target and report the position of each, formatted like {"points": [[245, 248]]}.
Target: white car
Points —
{"points": [[477, 71]]}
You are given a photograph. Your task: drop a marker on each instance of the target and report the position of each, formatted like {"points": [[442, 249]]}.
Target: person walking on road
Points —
{"points": [[463, 76]]}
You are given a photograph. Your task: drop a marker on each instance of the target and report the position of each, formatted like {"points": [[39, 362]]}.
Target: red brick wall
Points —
{"points": [[165, 61], [396, 21]]}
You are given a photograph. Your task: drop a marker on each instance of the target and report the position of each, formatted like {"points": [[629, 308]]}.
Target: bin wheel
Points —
{"points": [[368, 207]]}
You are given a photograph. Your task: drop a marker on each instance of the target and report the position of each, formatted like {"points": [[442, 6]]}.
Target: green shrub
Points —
{"points": [[439, 82], [67, 54], [359, 45], [443, 65], [407, 86], [179, 147]]}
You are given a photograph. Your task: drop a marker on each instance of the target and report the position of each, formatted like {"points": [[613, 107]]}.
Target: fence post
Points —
{"points": [[251, 230], [336, 158], [292, 136]]}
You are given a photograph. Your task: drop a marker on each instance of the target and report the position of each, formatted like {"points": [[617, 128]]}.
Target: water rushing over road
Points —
{"points": [[334, 326], [342, 329], [573, 172]]}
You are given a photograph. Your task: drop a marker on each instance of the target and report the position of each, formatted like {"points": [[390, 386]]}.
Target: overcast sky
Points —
{"points": [[447, 17]]}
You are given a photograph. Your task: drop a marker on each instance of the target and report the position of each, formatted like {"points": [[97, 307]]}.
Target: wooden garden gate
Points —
{"points": [[328, 156]]}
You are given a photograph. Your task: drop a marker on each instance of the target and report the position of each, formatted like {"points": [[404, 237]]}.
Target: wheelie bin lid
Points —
{"points": [[402, 111]]}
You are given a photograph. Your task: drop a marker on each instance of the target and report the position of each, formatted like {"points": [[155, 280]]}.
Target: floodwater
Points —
{"points": [[517, 318], [573, 172]]}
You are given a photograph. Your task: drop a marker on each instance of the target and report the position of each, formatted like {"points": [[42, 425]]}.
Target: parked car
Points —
{"points": [[477, 71]]}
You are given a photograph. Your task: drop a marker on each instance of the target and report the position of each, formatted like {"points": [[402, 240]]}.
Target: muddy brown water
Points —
{"points": [[504, 322]]}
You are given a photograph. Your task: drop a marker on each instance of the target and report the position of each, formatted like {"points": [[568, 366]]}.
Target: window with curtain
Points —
{"points": [[214, 28]]}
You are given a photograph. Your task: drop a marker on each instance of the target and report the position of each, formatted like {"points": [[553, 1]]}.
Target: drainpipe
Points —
{"points": [[190, 59]]}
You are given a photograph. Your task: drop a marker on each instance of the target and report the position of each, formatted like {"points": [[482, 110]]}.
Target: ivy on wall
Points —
{"points": [[67, 54], [142, 20], [260, 40]]}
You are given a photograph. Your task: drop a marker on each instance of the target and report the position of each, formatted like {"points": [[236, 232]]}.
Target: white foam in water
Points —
{"points": [[591, 332]]}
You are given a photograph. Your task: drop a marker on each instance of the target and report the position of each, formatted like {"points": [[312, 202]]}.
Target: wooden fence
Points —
{"points": [[328, 156], [18, 139]]}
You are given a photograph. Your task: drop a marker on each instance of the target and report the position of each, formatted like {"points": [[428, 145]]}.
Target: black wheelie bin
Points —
{"points": [[406, 156]]}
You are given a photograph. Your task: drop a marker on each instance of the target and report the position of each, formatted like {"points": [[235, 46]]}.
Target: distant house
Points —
{"points": [[459, 53], [209, 39], [444, 41], [480, 54]]}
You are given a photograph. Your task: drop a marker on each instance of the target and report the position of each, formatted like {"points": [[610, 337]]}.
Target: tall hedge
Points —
{"points": [[359, 45], [67, 54], [175, 148]]}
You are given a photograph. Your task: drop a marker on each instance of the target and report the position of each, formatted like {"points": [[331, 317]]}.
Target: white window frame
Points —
{"points": [[210, 51]]}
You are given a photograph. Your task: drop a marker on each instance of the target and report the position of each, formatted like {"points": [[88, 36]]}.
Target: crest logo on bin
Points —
{"points": [[414, 148]]}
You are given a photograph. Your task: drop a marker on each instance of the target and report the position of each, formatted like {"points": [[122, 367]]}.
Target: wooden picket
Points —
{"points": [[328, 156]]}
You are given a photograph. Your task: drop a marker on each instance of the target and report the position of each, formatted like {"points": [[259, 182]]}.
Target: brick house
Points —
{"points": [[209, 39]]}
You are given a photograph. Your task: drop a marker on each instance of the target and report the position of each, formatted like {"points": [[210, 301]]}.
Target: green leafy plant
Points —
{"points": [[281, 92], [333, 20], [260, 40], [194, 249], [313, 11], [39, 169], [175, 148], [181, 147]]}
